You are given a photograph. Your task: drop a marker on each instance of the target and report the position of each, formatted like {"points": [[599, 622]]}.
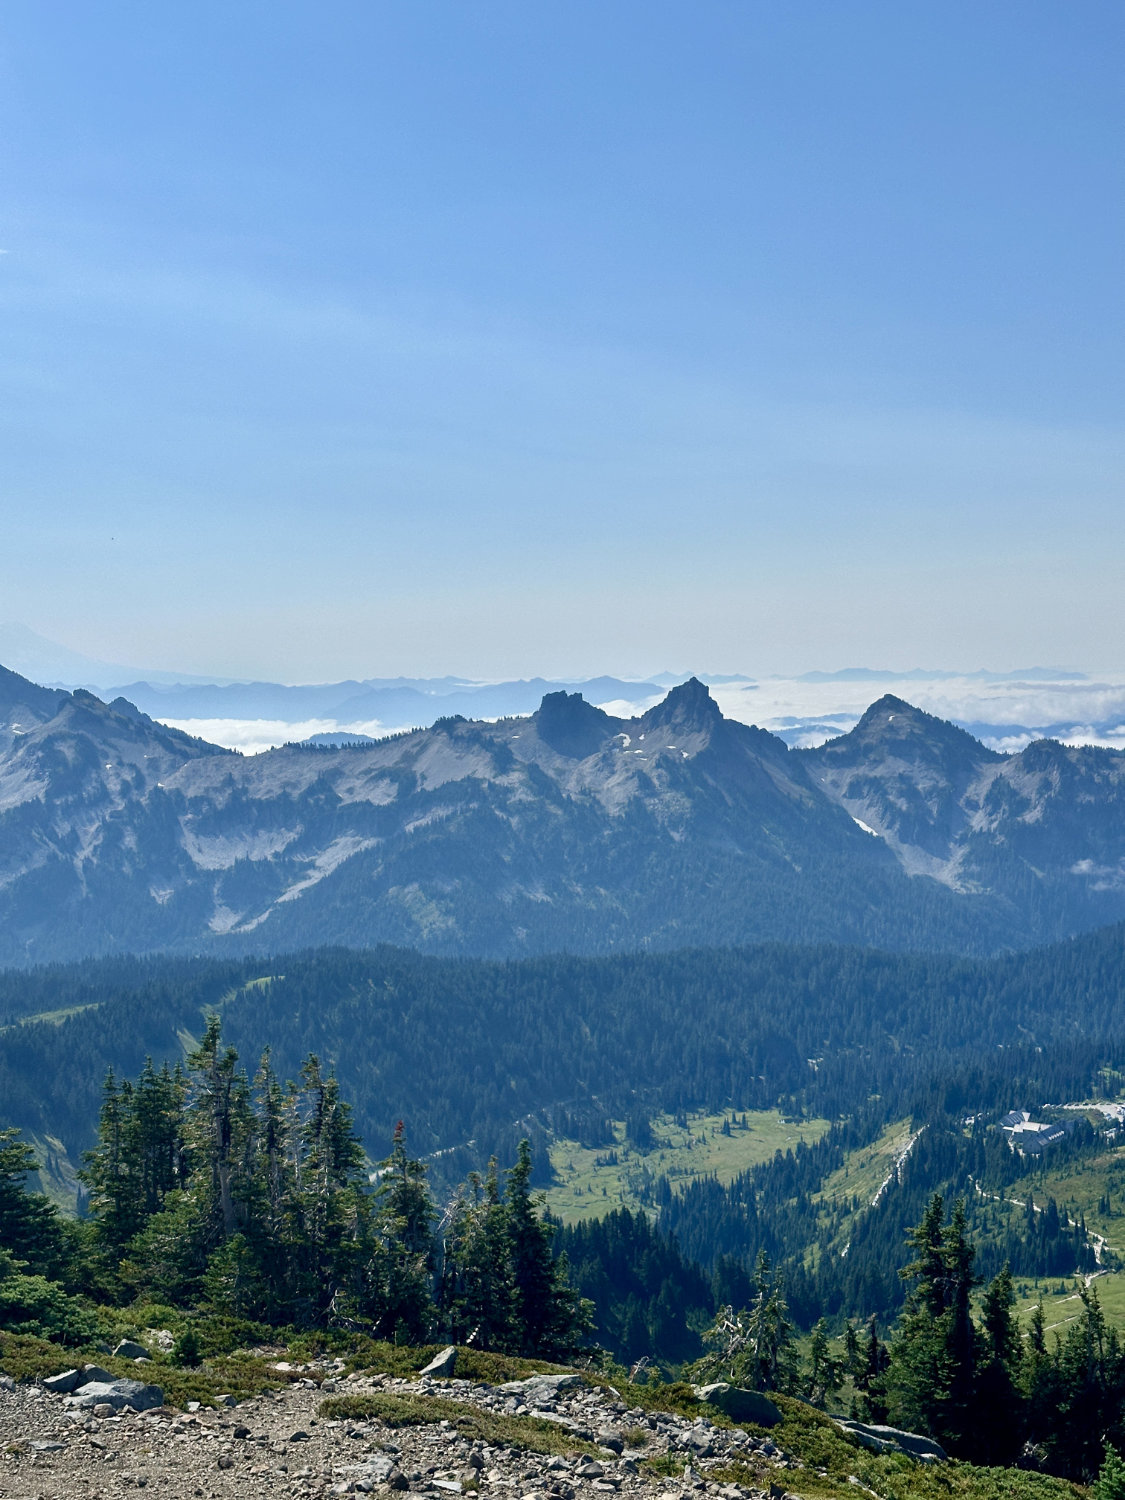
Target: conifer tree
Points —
{"points": [[931, 1378], [998, 1425], [403, 1259], [549, 1318], [476, 1279], [29, 1222]]}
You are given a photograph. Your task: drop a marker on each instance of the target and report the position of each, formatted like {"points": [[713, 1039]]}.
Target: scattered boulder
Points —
{"points": [[699, 1441], [442, 1366], [130, 1349], [95, 1372], [116, 1394], [893, 1440], [738, 1404], [540, 1388], [63, 1384]]}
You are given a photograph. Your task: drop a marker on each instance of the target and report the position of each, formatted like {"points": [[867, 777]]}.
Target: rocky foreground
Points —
{"points": [[54, 1445]]}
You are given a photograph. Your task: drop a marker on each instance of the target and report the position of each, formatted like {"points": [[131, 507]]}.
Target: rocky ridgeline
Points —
{"points": [[90, 1437]]}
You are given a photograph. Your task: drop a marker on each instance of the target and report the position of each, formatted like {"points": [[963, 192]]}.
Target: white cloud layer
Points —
{"points": [[1008, 716]]}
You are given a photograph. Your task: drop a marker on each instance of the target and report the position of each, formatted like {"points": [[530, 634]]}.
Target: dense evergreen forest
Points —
{"points": [[478, 1051], [474, 1056]]}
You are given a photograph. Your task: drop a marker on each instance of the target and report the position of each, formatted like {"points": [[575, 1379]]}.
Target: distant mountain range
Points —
{"points": [[393, 701], [568, 829]]}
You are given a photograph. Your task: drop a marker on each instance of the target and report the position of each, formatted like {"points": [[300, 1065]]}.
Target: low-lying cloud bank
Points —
{"points": [[1006, 714]]}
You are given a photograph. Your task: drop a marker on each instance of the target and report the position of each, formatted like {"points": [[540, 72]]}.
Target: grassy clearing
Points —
{"points": [[52, 1017], [1079, 1188], [588, 1186], [1060, 1309], [57, 1175], [866, 1170], [472, 1422]]}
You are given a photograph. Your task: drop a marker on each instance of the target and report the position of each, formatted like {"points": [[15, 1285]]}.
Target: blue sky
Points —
{"points": [[354, 339]]}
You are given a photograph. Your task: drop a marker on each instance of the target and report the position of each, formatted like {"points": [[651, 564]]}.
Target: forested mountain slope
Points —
{"points": [[477, 1050], [568, 829]]}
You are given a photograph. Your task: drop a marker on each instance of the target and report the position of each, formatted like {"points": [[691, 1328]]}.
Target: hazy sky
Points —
{"points": [[563, 337]]}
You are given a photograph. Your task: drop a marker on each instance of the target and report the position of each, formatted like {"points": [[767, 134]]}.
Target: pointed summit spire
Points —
{"points": [[690, 705]]}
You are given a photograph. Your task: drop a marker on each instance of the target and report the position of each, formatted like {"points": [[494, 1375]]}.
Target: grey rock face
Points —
{"points": [[129, 1349], [443, 1365], [117, 1394], [882, 1439], [540, 1389], [63, 1383], [738, 1404]]}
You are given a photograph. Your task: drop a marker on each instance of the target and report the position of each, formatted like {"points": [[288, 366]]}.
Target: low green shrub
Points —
{"points": [[33, 1305]]}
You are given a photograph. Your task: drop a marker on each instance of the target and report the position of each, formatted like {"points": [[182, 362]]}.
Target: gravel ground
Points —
{"points": [[277, 1444]]}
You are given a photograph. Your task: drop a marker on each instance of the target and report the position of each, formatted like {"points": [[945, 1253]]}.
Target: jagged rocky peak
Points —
{"points": [[689, 707], [571, 726], [893, 726]]}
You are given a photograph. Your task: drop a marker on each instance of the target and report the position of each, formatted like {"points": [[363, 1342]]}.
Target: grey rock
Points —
{"points": [[540, 1389], [64, 1383], [95, 1372], [42, 1445], [611, 1438], [882, 1439], [129, 1349], [738, 1404], [442, 1365], [7, 1383], [116, 1395], [378, 1469], [590, 1470]]}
